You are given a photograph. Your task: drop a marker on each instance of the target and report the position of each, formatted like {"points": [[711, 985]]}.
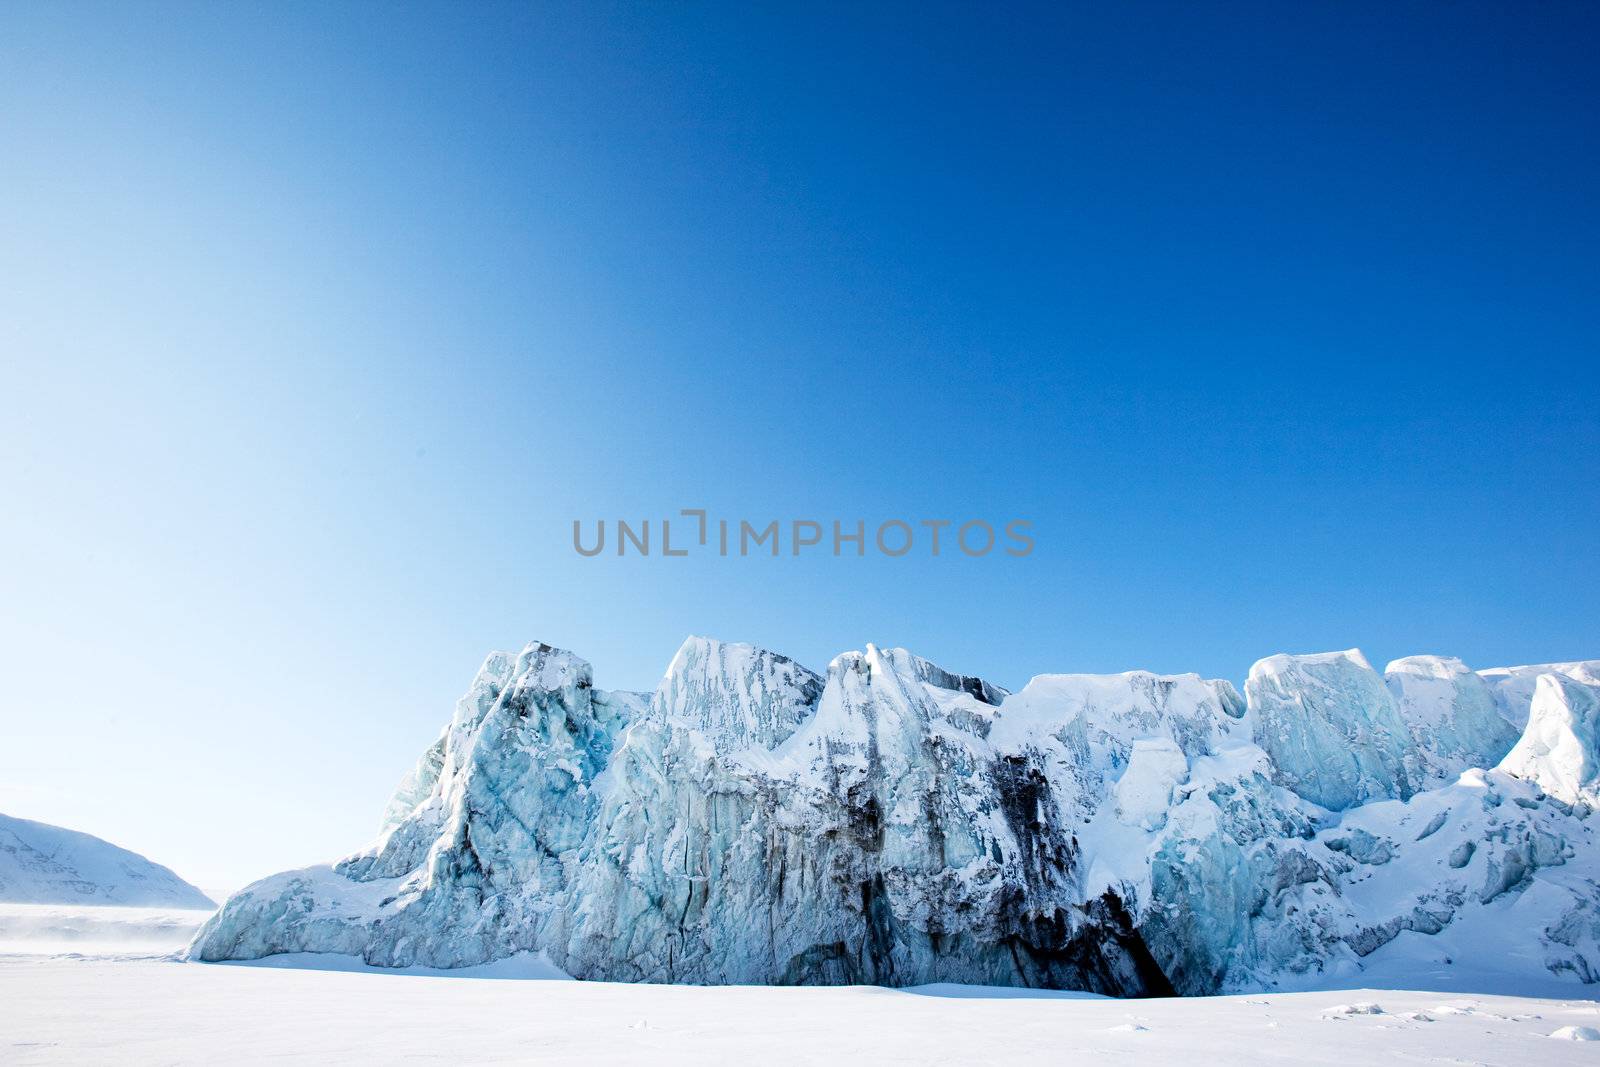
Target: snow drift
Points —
{"points": [[892, 822]]}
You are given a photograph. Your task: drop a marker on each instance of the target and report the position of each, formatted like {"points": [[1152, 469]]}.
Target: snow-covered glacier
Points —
{"points": [[893, 822]]}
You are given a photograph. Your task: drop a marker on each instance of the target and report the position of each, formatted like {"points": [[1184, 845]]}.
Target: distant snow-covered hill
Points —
{"points": [[44, 864]]}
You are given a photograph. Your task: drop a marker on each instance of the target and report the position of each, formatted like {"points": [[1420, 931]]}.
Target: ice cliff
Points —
{"points": [[893, 822]]}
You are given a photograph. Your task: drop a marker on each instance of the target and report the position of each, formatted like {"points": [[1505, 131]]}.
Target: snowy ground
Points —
{"points": [[86, 1006], [65, 1010], [52, 929]]}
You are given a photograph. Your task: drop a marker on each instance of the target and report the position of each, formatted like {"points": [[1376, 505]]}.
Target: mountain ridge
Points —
{"points": [[45, 864]]}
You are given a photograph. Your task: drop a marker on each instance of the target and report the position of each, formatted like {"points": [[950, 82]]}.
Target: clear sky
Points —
{"points": [[320, 325]]}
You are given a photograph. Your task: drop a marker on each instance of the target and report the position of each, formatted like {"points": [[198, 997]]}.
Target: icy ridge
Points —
{"points": [[893, 822]]}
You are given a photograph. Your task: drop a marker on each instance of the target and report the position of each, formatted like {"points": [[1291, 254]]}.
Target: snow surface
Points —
{"points": [[44, 864], [155, 1012], [51, 929]]}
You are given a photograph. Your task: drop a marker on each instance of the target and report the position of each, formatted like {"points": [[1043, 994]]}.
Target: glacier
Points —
{"points": [[892, 822]]}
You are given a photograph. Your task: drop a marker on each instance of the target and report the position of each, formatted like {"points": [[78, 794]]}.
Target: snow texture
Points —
{"points": [[894, 823], [135, 1013]]}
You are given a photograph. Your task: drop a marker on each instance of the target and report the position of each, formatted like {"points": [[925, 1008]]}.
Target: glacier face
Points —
{"points": [[1331, 728], [1451, 716], [893, 822]]}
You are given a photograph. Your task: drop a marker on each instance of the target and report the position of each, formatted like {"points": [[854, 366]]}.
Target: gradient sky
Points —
{"points": [[319, 325]]}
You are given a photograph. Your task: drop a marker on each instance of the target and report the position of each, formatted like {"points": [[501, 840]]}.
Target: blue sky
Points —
{"points": [[319, 326]]}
